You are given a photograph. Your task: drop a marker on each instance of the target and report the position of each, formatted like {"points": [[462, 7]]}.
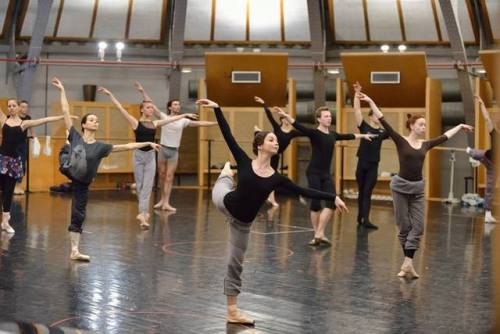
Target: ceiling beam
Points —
{"points": [[317, 25], [176, 46]]}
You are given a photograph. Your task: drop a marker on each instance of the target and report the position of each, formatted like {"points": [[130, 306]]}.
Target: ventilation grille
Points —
{"points": [[245, 77], [385, 78]]}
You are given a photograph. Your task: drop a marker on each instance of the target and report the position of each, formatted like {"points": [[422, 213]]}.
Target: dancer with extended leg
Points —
{"points": [[144, 158], [408, 185], [256, 180], [486, 158], [318, 171], [285, 133], [93, 152], [368, 159], [168, 157]]}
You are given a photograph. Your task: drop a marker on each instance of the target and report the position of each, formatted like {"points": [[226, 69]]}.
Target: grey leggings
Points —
{"points": [[408, 199], [490, 176], [239, 233], [144, 174]]}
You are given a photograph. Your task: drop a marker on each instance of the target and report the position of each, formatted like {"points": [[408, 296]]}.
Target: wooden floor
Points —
{"points": [[169, 279]]}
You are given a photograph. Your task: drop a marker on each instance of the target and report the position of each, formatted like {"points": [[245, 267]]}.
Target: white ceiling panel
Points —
{"points": [[146, 19], [383, 20], [419, 20], [198, 20], [230, 20], [265, 20], [4, 5], [76, 19], [349, 20], [29, 19], [111, 19], [296, 20]]}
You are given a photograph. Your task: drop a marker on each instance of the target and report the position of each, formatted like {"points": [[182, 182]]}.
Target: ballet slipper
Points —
{"points": [[325, 242], [77, 256], [168, 207], [5, 223], [235, 316], [408, 269], [314, 242], [75, 253], [143, 221], [158, 205]]}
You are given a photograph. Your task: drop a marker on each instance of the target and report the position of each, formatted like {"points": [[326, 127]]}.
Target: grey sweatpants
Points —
{"points": [[144, 174], [408, 199], [490, 176], [239, 233]]}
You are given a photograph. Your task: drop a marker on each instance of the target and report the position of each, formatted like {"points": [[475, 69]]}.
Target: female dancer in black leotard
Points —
{"points": [[285, 132], [11, 160], [144, 158], [408, 185], [95, 151], [256, 180]]}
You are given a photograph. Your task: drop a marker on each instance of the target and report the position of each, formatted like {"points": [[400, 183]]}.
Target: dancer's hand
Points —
{"points": [[467, 128], [57, 83], [104, 91], [155, 146], [364, 97], [357, 87], [73, 117], [280, 111], [258, 100], [479, 99], [192, 117], [339, 204], [138, 86], [206, 103]]}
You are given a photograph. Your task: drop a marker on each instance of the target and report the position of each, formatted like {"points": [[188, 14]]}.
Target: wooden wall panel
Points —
{"points": [[273, 86], [491, 63], [412, 65]]}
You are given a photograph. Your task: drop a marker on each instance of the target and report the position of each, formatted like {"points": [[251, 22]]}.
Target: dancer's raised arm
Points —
{"points": [[489, 123], [130, 119], [147, 98], [357, 104], [269, 115], [64, 103]]}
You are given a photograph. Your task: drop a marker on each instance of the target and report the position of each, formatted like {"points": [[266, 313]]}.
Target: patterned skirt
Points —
{"points": [[11, 166]]}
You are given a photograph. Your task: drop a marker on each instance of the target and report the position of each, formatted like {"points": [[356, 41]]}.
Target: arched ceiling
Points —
{"points": [[351, 22]]}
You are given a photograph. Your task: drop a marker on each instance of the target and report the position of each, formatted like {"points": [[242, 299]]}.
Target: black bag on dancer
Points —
{"points": [[73, 161]]}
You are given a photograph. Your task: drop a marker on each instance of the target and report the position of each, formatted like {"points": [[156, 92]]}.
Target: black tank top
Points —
{"points": [[144, 134], [12, 138]]}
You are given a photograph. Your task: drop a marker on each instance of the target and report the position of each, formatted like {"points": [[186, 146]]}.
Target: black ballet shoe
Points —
{"points": [[367, 224], [314, 242], [325, 242]]}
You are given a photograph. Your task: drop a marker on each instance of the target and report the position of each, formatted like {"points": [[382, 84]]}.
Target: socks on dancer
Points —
{"points": [[5, 223], [488, 217]]}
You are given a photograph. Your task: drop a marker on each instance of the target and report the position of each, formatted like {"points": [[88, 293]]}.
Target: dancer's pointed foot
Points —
{"points": [[7, 228], [168, 207], [76, 255], [158, 205], [143, 222], [235, 316]]}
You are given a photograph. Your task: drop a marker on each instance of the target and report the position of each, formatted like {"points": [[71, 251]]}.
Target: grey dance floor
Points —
{"points": [[169, 279]]}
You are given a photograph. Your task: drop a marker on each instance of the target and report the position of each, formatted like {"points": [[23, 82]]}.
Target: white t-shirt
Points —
{"points": [[171, 133]]}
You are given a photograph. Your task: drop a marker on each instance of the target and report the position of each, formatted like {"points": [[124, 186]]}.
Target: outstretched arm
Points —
{"points": [[238, 154], [64, 103], [202, 123], [3, 118], [305, 130], [489, 123], [269, 115], [450, 133], [314, 194], [133, 146], [170, 119], [130, 119], [357, 104], [37, 122], [147, 98]]}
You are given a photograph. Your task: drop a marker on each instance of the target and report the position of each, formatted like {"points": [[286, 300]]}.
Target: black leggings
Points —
{"points": [[80, 195], [7, 184], [322, 182], [366, 176]]}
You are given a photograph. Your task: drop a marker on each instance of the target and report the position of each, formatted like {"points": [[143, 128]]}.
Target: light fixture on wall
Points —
{"points": [[186, 70], [101, 50], [119, 46], [385, 48], [333, 71], [402, 48], [480, 71]]}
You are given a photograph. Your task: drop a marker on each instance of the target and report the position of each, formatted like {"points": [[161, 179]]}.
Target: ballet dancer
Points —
{"points": [[256, 180], [368, 159], [318, 171], [14, 130], [168, 157], [408, 185], [486, 158], [285, 132], [95, 151], [144, 160]]}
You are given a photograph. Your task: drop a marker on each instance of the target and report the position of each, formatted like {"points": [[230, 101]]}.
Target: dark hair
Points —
{"points": [[411, 119], [169, 104], [23, 101], [258, 140], [319, 111], [84, 119]]}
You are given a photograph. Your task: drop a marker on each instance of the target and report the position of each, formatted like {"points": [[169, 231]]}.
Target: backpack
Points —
{"points": [[73, 162]]}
